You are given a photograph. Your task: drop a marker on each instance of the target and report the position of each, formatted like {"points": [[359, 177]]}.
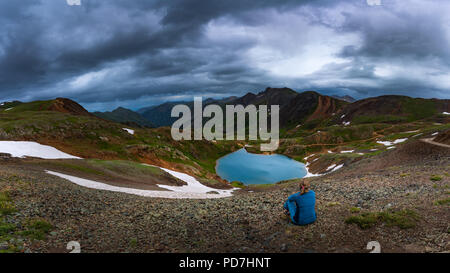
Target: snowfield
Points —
{"points": [[32, 149], [193, 189]]}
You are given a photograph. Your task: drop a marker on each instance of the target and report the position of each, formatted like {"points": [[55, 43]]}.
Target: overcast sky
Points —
{"points": [[135, 53]]}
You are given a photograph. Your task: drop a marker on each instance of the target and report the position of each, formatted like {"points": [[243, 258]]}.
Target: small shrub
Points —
{"points": [[133, 242], [364, 221], [403, 219], [332, 204], [436, 178], [355, 210]]}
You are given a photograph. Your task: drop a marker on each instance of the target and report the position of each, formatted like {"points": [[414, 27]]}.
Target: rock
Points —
{"points": [[212, 192], [4, 155]]}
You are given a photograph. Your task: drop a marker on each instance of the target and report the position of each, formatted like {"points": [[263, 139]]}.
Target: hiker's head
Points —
{"points": [[304, 187]]}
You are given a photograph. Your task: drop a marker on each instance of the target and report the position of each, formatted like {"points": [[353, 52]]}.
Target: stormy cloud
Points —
{"points": [[112, 53]]}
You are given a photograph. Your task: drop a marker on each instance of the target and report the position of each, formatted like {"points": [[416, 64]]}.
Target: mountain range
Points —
{"points": [[307, 108]]}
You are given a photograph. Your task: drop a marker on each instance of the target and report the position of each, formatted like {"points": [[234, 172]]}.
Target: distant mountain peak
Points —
{"points": [[125, 116]]}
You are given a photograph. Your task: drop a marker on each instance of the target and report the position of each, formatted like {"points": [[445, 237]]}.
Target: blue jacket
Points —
{"points": [[302, 208]]}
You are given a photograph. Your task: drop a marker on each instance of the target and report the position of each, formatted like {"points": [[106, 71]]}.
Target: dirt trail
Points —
{"points": [[431, 141]]}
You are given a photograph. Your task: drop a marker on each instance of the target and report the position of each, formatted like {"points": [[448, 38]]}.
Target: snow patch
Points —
{"points": [[32, 149], [193, 185], [310, 174], [446, 113], [130, 131], [343, 116], [333, 168], [190, 191], [9, 109], [347, 152], [346, 123], [337, 168], [434, 134], [390, 143]]}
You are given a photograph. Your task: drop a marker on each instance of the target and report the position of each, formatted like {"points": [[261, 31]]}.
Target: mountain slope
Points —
{"points": [[125, 116], [61, 105], [391, 109]]}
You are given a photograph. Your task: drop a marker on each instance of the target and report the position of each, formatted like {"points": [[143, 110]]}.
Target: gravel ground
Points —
{"points": [[247, 222]]}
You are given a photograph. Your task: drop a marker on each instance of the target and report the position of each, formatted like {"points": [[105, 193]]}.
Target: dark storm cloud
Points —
{"points": [[104, 53]]}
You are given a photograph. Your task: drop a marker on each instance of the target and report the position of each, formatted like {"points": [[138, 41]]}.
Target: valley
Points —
{"points": [[379, 166]]}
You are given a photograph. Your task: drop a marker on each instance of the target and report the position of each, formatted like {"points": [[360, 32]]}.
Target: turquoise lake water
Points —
{"points": [[258, 169]]}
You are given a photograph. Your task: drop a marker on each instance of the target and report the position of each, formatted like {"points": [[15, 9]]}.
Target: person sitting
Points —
{"points": [[301, 205]]}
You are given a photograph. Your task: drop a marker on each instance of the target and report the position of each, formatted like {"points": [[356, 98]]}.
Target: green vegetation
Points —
{"points": [[6, 205], [14, 234], [418, 108], [442, 202], [333, 204], [355, 210], [133, 242], [403, 219], [37, 229], [378, 119], [237, 184], [436, 178]]}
